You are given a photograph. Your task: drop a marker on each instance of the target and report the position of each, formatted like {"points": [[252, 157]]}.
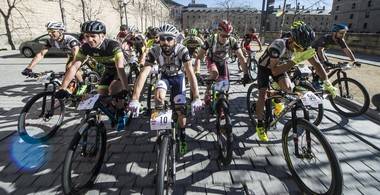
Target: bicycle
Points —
{"points": [[219, 106], [133, 69], [299, 76], [43, 114], [352, 97], [165, 122], [303, 143], [252, 65], [90, 142]]}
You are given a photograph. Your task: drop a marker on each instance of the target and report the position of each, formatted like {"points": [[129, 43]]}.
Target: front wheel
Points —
{"points": [[352, 97], [84, 158], [41, 117], [252, 96], [310, 159], [224, 131], [163, 168]]}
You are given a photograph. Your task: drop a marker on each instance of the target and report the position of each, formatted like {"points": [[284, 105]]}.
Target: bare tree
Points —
{"points": [[63, 15], [7, 14], [228, 4]]}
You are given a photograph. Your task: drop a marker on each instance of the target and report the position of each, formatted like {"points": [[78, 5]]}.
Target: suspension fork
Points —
{"points": [[295, 132], [343, 74]]}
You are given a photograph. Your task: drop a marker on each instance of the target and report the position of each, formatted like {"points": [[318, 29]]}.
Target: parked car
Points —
{"points": [[30, 48]]}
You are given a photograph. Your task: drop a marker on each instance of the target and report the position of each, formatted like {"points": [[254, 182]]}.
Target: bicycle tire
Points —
{"points": [[251, 103], [162, 167], [24, 112], [224, 132], [337, 177], [308, 86], [252, 69], [360, 109], [67, 184]]}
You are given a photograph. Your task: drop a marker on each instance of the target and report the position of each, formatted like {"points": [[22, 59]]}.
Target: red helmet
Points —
{"points": [[225, 26]]}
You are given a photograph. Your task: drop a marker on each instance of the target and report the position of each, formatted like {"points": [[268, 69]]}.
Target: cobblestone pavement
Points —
{"points": [[257, 167]]}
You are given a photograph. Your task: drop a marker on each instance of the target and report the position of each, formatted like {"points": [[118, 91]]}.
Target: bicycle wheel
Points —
{"points": [[310, 159], [163, 168], [84, 158], [352, 97], [224, 131], [252, 69], [41, 117], [251, 102], [315, 113]]}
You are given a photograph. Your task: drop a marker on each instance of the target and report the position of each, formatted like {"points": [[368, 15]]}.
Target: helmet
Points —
{"points": [[302, 34], [225, 26], [55, 26], [133, 29], [338, 27], [193, 31], [168, 29], [95, 27], [152, 32]]}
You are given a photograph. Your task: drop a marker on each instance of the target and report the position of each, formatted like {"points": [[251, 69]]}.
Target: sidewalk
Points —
{"points": [[363, 58]]}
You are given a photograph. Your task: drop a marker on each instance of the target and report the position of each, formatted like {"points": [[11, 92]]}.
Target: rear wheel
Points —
{"points": [[352, 97], [41, 117], [84, 158]]}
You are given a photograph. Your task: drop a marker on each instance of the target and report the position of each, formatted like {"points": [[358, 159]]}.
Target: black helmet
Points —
{"points": [[302, 34], [95, 27], [123, 27]]}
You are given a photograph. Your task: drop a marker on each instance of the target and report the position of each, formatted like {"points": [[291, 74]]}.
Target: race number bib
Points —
{"points": [[222, 86], [310, 99], [44, 78], [89, 103], [161, 120], [304, 69]]}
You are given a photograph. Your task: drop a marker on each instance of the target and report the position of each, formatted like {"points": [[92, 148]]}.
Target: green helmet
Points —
{"points": [[193, 31]]}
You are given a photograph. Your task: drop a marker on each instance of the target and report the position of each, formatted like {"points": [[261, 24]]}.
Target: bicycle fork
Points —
{"points": [[305, 152]]}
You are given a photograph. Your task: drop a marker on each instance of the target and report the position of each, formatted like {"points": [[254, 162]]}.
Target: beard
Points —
{"points": [[167, 49]]}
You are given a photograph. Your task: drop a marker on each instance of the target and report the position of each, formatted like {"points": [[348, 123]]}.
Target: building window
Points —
{"points": [[351, 16], [353, 5], [337, 8], [349, 25], [365, 26], [367, 14], [369, 3]]}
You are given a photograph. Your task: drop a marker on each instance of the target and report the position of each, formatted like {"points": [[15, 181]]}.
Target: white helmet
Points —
{"points": [[168, 29], [55, 26], [133, 28]]}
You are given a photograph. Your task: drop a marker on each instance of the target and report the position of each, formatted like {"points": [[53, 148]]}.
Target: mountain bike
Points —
{"points": [[87, 148]]}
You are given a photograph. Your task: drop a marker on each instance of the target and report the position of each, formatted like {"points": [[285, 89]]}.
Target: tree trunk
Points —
{"points": [[63, 15], [9, 33], [83, 10]]}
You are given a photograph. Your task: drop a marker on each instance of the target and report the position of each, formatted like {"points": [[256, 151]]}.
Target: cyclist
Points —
{"points": [[104, 51], [57, 40], [328, 40], [297, 48], [152, 37], [134, 44], [218, 46], [248, 38], [173, 60], [193, 44]]}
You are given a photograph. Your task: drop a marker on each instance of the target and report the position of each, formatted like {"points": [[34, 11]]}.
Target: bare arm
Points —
{"points": [[320, 53], [70, 73], [349, 54], [139, 84], [74, 52], [259, 42], [192, 79], [201, 55], [119, 63], [242, 60], [39, 56], [321, 72], [279, 69]]}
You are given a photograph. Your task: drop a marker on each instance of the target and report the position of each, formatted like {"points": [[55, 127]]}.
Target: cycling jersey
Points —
{"points": [[192, 43], [107, 53], [248, 38], [327, 41], [136, 42], [217, 52], [169, 65], [67, 43]]}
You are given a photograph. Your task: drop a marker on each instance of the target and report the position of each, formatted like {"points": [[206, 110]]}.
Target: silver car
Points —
{"points": [[30, 48]]}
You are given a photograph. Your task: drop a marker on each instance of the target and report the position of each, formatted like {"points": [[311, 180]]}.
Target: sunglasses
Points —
{"points": [[163, 38], [224, 36]]}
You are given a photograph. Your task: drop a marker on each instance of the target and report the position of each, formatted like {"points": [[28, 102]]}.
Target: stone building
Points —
{"points": [[359, 15], [37, 13]]}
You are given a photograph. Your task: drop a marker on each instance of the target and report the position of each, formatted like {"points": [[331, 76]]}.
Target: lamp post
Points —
{"points": [[125, 2], [123, 13]]}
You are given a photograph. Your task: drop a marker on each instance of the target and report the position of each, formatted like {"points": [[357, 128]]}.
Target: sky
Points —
{"points": [[257, 3]]}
